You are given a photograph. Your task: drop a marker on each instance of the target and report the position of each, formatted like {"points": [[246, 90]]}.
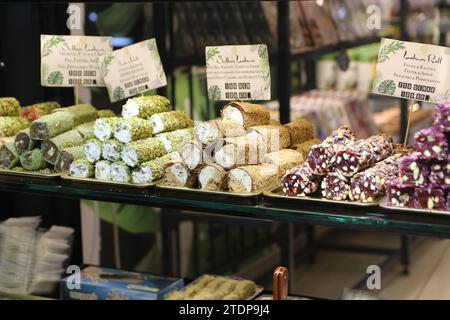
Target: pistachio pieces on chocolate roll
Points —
{"points": [[49, 126], [93, 150], [81, 113], [270, 138], [10, 126], [112, 149], [210, 131], [120, 172], [300, 181], [81, 168], [430, 143], [145, 106], [133, 129], [9, 107], [23, 141], [212, 177], [35, 111], [253, 178], [51, 147], [175, 139], [8, 155], [137, 152], [177, 174], [33, 160], [300, 130], [154, 169], [104, 128], [68, 155], [169, 121], [103, 170], [246, 114]]}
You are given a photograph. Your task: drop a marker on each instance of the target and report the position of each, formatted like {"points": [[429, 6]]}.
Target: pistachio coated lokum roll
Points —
{"points": [[38, 110], [145, 106], [33, 160], [238, 151], [254, 178], [174, 140], [212, 177], [429, 198], [103, 170], [300, 181], [23, 141], [133, 129], [154, 169], [93, 150], [300, 130], [399, 195], [143, 150], [210, 131], [270, 138], [8, 155], [10, 126], [284, 159], [120, 172], [177, 174], [66, 156], [86, 130], [50, 148], [104, 128], [81, 113], [106, 113], [246, 114], [111, 150], [306, 146], [9, 107], [49, 126], [430, 143], [81, 168], [169, 121], [243, 290]]}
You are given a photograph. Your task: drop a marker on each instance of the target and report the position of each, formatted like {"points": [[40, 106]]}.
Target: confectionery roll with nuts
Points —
{"points": [[210, 131], [103, 170], [49, 126], [194, 156], [442, 116], [175, 139], [24, 143], [112, 149], [246, 114], [154, 169], [145, 106], [440, 174], [177, 174], [429, 198], [253, 178], [413, 171], [300, 130], [120, 172], [93, 150], [133, 129], [66, 156], [335, 186], [8, 155], [106, 113], [10, 126], [33, 160], [212, 177], [9, 107], [306, 146], [104, 128], [284, 160], [141, 151], [81, 168], [399, 195], [270, 138], [51, 147], [169, 121], [38, 110], [238, 151], [430, 143], [81, 113], [300, 181]]}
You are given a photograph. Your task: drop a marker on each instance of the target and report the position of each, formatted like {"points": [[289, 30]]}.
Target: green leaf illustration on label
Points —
{"points": [[49, 44], [388, 49], [104, 67], [262, 51], [118, 93], [211, 52], [55, 78], [214, 93], [387, 87]]}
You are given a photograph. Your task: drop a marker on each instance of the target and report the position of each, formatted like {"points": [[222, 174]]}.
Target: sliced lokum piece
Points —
{"points": [[81, 113], [154, 169], [238, 151], [253, 178], [23, 141], [145, 106], [246, 114], [284, 160], [174, 140], [106, 113], [429, 198], [442, 116], [194, 156], [8, 155], [431, 143], [9, 107], [51, 125], [120, 172], [440, 174], [321, 158], [66, 156], [10, 126], [300, 130], [81, 168], [93, 150], [51, 147], [300, 181], [270, 138], [33, 160], [413, 171], [104, 128], [399, 195], [169, 121], [306, 146], [335, 186], [137, 152], [38, 110], [177, 174], [212, 177], [210, 131], [112, 150], [103, 170], [133, 129]]}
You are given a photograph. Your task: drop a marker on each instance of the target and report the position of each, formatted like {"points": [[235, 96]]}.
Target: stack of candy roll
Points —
{"points": [[132, 129], [153, 170], [145, 106], [174, 140], [104, 128], [112, 150], [140, 151], [170, 121]]}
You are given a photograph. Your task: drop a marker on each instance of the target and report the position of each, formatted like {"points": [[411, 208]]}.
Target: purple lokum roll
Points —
{"points": [[431, 143], [300, 181], [413, 171], [335, 186], [440, 174], [442, 116], [429, 198], [398, 195]]}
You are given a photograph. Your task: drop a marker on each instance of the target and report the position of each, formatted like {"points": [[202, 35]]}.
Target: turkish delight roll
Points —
{"points": [[8, 155], [86, 130], [442, 116], [120, 172], [300, 130], [306, 146], [177, 174], [33, 160], [320, 158], [93, 150], [413, 171], [174, 140], [103, 170], [431, 143], [9, 107], [81, 168], [335, 186], [106, 113], [300, 181], [429, 198], [363, 154], [212, 177], [137, 152], [238, 151], [193, 155], [154, 169], [440, 174], [23, 141], [38, 110], [66, 156], [270, 138], [169, 121], [111, 150], [51, 125], [342, 136], [284, 160], [51, 147], [253, 178], [81, 113], [10, 126], [399, 195], [145, 106], [210, 131], [133, 129], [246, 114], [104, 128]]}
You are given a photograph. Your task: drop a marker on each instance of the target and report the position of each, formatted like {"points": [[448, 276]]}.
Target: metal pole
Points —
{"points": [[284, 62], [404, 8]]}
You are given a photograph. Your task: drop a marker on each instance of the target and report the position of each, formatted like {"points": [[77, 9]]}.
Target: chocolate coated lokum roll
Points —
{"points": [[270, 138], [66, 156], [38, 110], [429, 198], [10, 126], [177, 174], [133, 129], [103, 170], [33, 160], [300, 130], [246, 114], [442, 116], [440, 174], [23, 141], [300, 181], [253, 178], [106, 113], [9, 107], [169, 121], [413, 171], [8, 155], [51, 125], [399, 195], [174, 140], [104, 128], [111, 150], [51, 147], [335, 186], [140, 151], [120, 172], [154, 169], [363, 154], [431, 143], [81, 168], [145, 106], [93, 150]]}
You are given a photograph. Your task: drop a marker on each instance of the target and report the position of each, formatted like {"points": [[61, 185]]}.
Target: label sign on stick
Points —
{"points": [[132, 70], [238, 72], [412, 71], [72, 61]]}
